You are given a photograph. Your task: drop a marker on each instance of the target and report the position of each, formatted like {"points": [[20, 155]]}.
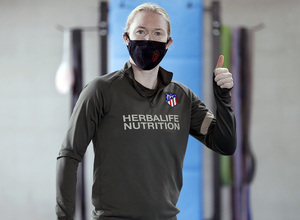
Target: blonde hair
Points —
{"points": [[148, 7]]}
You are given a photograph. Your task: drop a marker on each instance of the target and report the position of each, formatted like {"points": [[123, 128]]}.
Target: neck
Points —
{"points": [[147, 78]]}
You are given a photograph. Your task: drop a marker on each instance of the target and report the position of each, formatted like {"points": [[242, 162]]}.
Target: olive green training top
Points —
{"points": [[139, 137]]}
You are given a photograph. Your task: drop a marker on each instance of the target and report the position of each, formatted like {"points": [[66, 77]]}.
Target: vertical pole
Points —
{"points": [[216, 46], [103, 36], [77, 64], [77, 88]]}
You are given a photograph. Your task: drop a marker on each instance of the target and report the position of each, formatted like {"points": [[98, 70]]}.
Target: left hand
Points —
{"points": [[223, 77]]}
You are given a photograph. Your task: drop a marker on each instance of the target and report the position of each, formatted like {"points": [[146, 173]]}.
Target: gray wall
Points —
{"points": [[276, 106], [33, 116]]}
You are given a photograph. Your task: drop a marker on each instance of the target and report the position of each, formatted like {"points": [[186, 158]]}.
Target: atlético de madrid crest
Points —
{"points": [[171, 99]]}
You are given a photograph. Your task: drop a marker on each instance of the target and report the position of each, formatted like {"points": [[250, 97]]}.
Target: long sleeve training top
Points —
{"points": [[139, 138]]}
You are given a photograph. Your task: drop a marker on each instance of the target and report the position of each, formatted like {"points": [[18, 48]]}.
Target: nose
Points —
{"points": [[148, 37]]}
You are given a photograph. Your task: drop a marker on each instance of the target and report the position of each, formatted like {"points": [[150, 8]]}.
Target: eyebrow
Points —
{"points": [[143, 27]]}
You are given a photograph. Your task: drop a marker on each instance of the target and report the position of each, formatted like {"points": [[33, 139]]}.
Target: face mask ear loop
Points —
{"points": [[126, 34], [170, 38]]}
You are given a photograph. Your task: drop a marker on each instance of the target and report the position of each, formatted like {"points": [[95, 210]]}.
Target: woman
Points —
{"points": [[139, 121]]}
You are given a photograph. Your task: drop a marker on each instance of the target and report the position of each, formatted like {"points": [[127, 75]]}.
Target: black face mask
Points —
{"points": [[145, 53]]}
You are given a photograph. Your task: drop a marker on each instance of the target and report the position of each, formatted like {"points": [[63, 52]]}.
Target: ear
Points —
{"points": [[126, 40], [169, 43]]}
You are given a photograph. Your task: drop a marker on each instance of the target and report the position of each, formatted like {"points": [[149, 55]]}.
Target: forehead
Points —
{"points": [[149, 20]]}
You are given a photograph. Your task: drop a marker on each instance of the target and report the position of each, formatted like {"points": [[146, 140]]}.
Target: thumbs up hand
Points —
{"points": [[223, 77]]}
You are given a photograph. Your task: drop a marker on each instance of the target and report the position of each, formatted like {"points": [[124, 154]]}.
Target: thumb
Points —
{"points": [[220, 62]]}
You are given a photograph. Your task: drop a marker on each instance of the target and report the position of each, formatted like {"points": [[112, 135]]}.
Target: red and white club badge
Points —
{"points": [[171, 99]]}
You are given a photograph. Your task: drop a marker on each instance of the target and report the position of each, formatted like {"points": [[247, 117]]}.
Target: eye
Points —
{"points": [[141, 32], [158, 33]]}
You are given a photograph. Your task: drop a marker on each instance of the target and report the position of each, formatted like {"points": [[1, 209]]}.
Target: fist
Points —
{"points": [[223, 77]]}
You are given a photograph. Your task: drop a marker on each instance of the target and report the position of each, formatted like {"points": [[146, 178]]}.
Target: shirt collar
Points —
{"points": [[165, 75]]}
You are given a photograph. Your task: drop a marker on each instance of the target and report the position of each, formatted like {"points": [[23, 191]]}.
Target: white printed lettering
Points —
{"points": [[151, 122], [126, 118]]}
